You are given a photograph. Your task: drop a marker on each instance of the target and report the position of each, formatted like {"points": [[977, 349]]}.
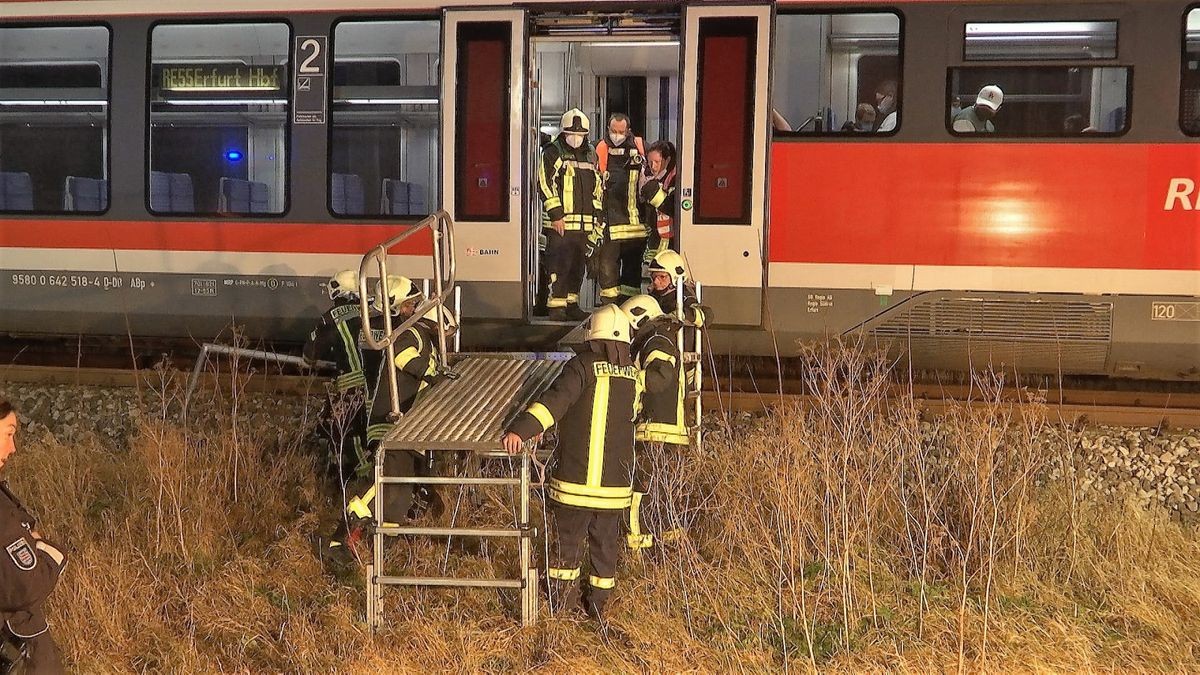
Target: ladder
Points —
{"points": [[468, 413]]}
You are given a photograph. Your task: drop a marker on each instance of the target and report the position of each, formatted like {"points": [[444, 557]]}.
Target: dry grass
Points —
{"points": [[847, 537]]}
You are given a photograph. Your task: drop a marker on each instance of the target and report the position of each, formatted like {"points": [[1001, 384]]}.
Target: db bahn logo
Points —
{"points": [[472, 251]]}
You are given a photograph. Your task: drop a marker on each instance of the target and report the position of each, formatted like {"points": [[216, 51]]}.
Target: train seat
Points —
{"points": [[16, 191], [171, 192], [393, 199], [346, 194], [85, 194], [401, 198], [243, 196]]}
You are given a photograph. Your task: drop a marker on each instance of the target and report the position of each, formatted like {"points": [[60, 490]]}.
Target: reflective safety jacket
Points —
{"points": [[621, 168], [336, 339], [656, 354], [660, 205], [570, 185], [416, 366], [593, 402]]}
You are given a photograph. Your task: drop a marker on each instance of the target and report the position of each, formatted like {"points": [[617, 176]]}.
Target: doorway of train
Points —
{"points": [[694, 75], [604, 64]]}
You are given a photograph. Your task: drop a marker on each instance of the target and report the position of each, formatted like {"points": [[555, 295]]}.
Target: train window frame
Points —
{"points": [[967, 58], [289, 105], [329, 126], [948, 120], [107, 148], [1183, 58], [795, 136]]}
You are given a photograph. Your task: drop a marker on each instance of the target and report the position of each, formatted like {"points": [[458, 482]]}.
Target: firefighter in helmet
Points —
{"points": [[667, 273], [661, 425], [622, 241], [415, 367], [336, 339], [571, 200], [593, 402]]}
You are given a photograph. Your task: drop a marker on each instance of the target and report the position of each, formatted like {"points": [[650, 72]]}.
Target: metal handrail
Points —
{"points": [[441, 228]]}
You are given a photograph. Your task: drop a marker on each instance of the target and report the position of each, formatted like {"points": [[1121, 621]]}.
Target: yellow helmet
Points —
{"points": [[639, 309], [399, 291], [609, 323], [344, 284], [672, 263], [449, 322]]}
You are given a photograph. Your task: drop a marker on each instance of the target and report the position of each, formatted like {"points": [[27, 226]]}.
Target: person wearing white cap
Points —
{"points": [[978, 118]]}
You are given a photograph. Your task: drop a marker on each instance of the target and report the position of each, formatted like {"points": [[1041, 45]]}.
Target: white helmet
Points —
{"points": [[574, 121], [639, 309], [609, 323], [672, 263], [399, 291], [449, 322], [344, 284]]}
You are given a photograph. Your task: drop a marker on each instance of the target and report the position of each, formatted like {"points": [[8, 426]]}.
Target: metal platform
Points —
{"points": [[468, 409]]}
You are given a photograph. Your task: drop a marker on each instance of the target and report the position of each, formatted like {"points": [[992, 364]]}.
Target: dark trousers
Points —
{"points": [[564, 262], [344, 427], [362, 502], [648, 514], [621, 269], [571, 527]]}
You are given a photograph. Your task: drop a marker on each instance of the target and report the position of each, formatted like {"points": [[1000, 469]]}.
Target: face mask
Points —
{"points": [[887, 105], [866, 126], [574, 141], [617, 139]]}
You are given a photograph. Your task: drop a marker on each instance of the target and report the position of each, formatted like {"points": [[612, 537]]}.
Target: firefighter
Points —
{"points": [[622, 240], [415, 366], [30, 568], [661, 425], [570, 187], [336, 339], [593, 402], [660, 207], [667, 272]]}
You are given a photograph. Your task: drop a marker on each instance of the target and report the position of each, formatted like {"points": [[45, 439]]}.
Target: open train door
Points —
{"points": [[483, 98], [723, 155]]}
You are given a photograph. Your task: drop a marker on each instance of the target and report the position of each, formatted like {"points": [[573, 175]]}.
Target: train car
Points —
{"points": [[172, 171]]}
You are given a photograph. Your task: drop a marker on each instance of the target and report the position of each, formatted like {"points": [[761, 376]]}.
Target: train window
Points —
{"points": [[1038, 101], [1189, 92], [219, 119], [54, 98], [384, 131], [1040, 40], [836, 73]]}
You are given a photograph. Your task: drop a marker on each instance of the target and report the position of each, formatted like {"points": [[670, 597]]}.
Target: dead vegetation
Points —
{"points": [[847, 536]]}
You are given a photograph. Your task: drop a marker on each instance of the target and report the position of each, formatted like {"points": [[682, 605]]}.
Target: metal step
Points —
{"points": [[450, 582], [400, 530]]}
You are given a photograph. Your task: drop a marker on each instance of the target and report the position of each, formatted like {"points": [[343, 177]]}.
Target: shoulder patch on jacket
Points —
{"points": [[22, 554]]}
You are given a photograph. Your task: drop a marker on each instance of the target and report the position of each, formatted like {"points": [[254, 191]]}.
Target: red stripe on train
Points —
{"points": [[1020, 205], [227, 236]]}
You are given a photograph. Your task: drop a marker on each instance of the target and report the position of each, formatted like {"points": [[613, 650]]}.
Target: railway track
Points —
{"points": [[1117, 408]]}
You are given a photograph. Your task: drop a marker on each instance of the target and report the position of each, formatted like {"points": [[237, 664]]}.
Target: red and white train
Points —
{"points": [[171, 171]]}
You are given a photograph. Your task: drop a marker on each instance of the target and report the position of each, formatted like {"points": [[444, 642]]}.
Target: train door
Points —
{"points": [[723, 155], [603, 64], [483, 94]]}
